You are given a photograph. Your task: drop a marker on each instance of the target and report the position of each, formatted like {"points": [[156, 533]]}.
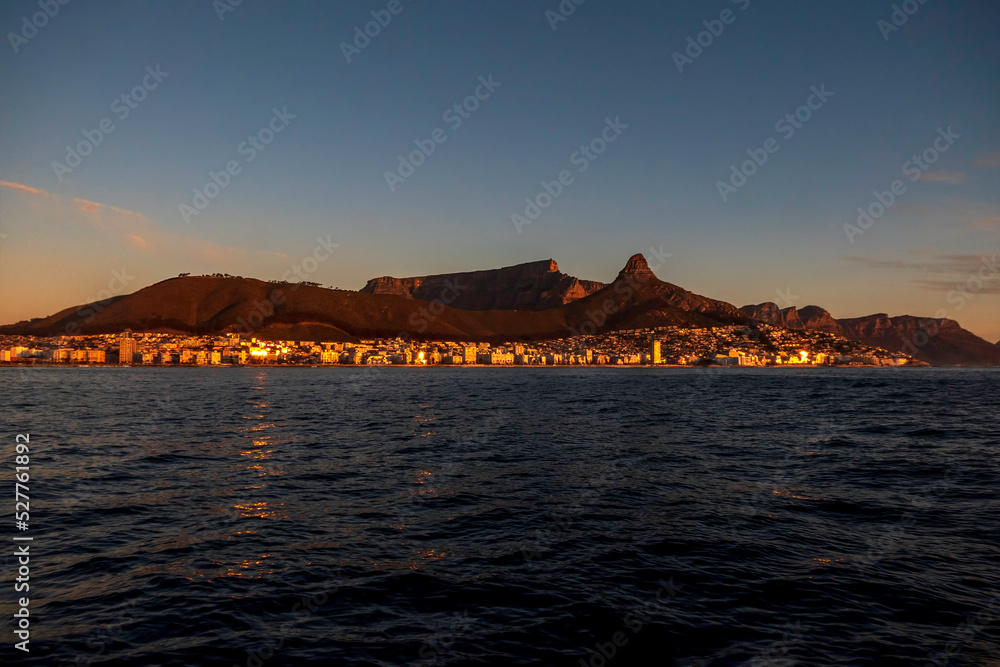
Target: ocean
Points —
{"points": [[505, 516]]}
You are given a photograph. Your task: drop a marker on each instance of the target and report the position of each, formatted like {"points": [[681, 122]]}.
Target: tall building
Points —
{"points": [[654, 352], [127, 347]]}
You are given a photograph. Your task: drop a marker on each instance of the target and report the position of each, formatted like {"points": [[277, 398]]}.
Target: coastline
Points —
{"points": [[7, 365]]}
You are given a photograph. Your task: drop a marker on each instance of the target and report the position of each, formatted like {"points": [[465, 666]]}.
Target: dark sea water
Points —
{"points": [[501, 516]]}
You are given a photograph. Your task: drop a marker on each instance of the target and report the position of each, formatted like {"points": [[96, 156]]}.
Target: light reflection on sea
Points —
{"points": [[842, 516]]}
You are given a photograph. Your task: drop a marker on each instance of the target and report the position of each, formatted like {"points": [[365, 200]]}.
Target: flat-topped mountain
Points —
{"points": [[530, 286], [533, 301], [214, 305]]}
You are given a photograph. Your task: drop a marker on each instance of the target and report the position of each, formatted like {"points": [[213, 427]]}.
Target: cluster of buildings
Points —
{"points": [[764, 345], [680, 346]]}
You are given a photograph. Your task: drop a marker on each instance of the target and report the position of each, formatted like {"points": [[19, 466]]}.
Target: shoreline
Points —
{"points": [[5, 365]]}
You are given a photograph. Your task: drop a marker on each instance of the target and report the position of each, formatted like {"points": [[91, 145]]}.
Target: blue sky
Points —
{"points": [[323, 174]]}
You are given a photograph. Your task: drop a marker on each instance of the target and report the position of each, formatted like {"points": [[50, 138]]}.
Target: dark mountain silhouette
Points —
{"points": [[818, 319], [214, 305], [936, 341], [531, 286], [769, 313], [458, 307]]}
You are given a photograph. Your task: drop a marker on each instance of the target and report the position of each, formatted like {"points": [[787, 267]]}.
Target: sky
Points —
{"points": [[651, 114]]}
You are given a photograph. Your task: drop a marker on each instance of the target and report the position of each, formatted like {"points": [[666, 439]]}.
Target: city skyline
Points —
{"points": [[297, 134], [742, 346]]}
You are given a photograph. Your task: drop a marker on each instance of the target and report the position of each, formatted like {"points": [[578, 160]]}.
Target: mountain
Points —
{"points": [[214, 305], [531, 286], [453, 307], [638, 299], [942, 342], [769, 313], [817, 319], [936, 341]]}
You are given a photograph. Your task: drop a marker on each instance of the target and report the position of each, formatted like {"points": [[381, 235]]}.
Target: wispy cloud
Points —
{"points": [[85, 205], [138, 241], [951, 177], [989, 222], [137, 230], [24, 188], [988, 161], [955, 212], [929, 270], [959, 284], [874, 263]]}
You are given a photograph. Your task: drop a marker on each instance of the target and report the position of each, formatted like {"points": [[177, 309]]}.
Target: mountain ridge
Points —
{"points": [[216, 305], [460, 309], [536, 285], [934, 340]]}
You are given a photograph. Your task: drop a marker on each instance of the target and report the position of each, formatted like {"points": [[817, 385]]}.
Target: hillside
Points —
{"points": [[937, 341], [942, 342], [455, 307], [769, 313], [213, 305], [530, 286]]}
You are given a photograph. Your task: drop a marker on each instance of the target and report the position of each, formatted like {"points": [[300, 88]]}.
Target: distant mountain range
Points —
{"points": [[937, 341], [532, 301]]}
